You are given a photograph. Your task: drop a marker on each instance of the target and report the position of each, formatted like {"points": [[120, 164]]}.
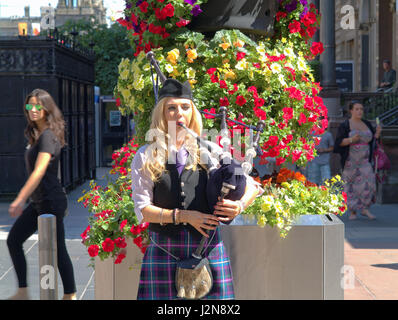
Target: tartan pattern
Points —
{"points": [[157, 279]]}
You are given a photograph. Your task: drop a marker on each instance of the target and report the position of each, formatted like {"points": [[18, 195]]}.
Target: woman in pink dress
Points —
{"points": [[354, 142]]}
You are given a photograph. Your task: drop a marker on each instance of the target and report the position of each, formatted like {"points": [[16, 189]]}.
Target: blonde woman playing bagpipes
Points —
{"points": [[169, 191]]}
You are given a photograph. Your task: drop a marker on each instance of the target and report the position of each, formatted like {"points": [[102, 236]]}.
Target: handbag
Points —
{"points": [[193, 278], [381, 160]]}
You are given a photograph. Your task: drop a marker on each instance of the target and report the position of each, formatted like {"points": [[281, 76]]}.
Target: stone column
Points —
{"points": [[330, 93]]}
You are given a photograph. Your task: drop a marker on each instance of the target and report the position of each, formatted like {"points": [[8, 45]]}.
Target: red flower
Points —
{"points": [[211, 70], [168, 10], [302, 119], [344, 196], [224, 102], [214, 78], [223, 84], [207, 116], [317, 48], [108, 245], [279, 161], [234, 89], [182, 23], [261, 114], [160, 14], [287, 114], [240, 55], [93, 250], [120, 242], [240, 100], [123, 224], [253, 89], [84, 234], [296, 155], [259, 102], [118, 102], [272, 141], [138, 241], [120, 258], [295, 27], [144, 7], [256, 65], [280, 15]]}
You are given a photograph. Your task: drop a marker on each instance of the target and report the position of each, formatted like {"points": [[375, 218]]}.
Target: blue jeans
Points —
{"points": [[318, 173]]}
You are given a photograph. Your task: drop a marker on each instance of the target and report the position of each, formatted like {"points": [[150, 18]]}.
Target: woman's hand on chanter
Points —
{"points": [[201, 221], [227, 209]]}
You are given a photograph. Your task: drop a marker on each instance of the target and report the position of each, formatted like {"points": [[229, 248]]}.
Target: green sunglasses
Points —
{"points": [[30, 107]]}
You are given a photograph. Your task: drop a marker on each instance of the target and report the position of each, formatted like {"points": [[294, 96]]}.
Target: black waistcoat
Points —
{"points": [[186, 191]]}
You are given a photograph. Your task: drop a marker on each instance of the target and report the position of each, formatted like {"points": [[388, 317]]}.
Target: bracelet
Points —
{"points": [[161, 217], [175, 216]]}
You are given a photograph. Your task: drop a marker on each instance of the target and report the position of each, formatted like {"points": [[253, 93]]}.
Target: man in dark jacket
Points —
{"points": [[389, 76]]}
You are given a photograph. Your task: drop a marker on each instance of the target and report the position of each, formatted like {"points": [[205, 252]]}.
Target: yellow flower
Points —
{"points": [[302, 66], [284, 40], [278, 207], [224, 45], [192, 82], [229, 74], [262, 221], [124, 74], [282, 81], [173, 55], [260, 49], [239, 43], [265, 207], [169, 68], [191, 73], [276, 68], [125, 94], [242, 65], [285, 185], [139, 83], [141, 108], [289, 52], [192, 55]]}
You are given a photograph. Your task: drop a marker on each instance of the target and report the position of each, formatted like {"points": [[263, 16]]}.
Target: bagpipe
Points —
{"points": [[228, 180]]}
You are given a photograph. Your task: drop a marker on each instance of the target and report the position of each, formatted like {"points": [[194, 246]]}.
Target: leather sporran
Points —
{"points": [[194, 279]]}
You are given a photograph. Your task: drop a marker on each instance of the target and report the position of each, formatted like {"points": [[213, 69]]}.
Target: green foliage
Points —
{"points": [[110, 45]]}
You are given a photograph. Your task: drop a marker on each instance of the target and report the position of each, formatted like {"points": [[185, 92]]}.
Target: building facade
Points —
{"points": [[66, 10], [366, 35]]}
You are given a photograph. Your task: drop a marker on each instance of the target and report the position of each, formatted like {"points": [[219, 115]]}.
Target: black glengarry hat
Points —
{"points": [[175, 89]]}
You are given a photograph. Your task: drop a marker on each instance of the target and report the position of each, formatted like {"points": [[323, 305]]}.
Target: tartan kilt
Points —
{"points": [[157, 278]]}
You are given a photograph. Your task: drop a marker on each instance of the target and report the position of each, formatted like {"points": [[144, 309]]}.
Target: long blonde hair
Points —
{"points": [[157, 152]]}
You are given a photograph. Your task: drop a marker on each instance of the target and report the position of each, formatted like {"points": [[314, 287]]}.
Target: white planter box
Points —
{"points": [[307, 264], [118, 281]]}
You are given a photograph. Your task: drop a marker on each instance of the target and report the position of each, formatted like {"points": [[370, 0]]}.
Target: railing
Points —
{"points": [[376, 104], [69, 41]]}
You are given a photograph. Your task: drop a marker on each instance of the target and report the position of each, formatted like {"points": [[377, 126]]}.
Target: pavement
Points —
{"points": [[370, 252]]}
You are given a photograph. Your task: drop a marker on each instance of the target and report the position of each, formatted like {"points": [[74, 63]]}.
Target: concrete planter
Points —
{"points": [[305, 265], [118, 281]]}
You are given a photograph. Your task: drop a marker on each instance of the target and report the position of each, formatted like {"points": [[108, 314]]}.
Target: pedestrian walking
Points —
{"points": [[354, 143], [43, 190], [172, 198]]}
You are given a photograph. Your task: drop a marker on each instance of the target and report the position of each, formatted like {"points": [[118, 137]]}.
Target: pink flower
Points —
{"points": [[240, 55], [302, 119]]}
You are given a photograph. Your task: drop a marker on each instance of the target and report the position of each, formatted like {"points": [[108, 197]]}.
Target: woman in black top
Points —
{"points": [[45, 133], [354, 142]]}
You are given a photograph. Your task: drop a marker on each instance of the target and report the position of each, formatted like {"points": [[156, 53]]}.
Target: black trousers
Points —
{"points": [[25, 226]]}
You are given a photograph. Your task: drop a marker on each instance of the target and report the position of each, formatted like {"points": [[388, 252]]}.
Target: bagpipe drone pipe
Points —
{"points": [[228, 179]]}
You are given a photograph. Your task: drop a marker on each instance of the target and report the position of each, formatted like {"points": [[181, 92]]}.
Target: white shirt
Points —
{"points": [[142, 185]]}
